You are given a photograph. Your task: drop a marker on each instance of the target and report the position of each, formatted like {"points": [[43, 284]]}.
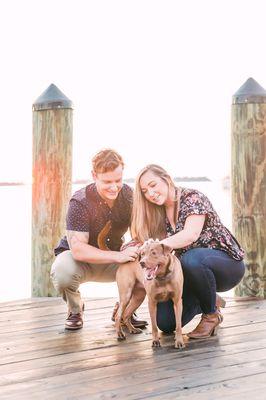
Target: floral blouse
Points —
{"points": [[214, 234]]}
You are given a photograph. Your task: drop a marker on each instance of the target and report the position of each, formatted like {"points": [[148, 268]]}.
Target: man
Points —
{"points": [[98, 216]]}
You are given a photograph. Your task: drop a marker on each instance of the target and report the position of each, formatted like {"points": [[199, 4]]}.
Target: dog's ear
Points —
{"points": [[166, 249]]}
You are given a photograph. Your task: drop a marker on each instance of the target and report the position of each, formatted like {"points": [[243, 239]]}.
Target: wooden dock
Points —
{"points": [[40, 360]]}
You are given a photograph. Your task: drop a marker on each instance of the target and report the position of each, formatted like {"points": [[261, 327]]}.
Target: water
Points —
{"points": [[15, 238]]}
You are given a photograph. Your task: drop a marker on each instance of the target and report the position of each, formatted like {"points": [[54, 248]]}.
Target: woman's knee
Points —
{"points": [[239, 272], [166, 326], [229, 281]]}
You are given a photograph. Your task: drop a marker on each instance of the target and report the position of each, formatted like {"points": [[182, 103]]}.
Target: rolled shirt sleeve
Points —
{"points": [[78, 218], [196, 203]]}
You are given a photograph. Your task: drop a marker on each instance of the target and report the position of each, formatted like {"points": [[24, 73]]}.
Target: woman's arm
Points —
{"points": [[191, 232]]}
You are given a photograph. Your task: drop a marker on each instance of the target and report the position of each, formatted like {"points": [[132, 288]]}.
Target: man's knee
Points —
{"points": [[64, 272]]}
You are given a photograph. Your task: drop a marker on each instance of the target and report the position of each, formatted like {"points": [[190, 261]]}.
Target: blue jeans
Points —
{"points": [[206, 271]]}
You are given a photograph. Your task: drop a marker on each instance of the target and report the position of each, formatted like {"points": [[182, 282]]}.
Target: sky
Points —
{"points": [[151, 79]]}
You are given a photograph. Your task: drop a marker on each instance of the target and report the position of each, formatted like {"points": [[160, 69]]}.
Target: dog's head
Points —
{"points": [[154, 257]]}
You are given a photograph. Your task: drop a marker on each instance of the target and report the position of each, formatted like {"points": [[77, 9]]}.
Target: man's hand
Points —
{"points": [[129, 254]]}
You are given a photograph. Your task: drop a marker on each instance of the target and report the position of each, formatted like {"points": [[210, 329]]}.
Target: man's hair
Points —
{"points": [[106, 160]]}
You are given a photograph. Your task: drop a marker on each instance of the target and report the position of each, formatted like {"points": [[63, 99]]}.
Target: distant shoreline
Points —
{"points": [[12, 184], [127, 180]]}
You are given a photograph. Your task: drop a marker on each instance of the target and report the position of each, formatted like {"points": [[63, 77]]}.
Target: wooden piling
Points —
{"points": [[249, 184], [51, 185]]}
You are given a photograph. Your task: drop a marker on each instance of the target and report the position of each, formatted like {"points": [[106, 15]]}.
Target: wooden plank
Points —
{"points": [[99, 348], [104, 329], [100, 330], [50, 363], [39, 302], [97, 308], [107, 332], [111, 356], [176, 378], [228, 353], [235, 389], [56, 323]]}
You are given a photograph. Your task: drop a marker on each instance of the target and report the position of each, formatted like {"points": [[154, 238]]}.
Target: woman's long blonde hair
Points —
{"points": [[148, 219]]}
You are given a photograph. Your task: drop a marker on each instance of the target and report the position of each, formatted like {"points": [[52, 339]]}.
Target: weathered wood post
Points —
{"points": [[51, 185], [249, 184]]}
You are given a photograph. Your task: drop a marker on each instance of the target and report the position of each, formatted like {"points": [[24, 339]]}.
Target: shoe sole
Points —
{"points": [[213, 333], [75, 328], [68, 328]]}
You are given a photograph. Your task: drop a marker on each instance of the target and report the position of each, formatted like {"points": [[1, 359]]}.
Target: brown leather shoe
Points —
{"points": [[138, 323], [207, 327], [74, 321], [135, 322]]}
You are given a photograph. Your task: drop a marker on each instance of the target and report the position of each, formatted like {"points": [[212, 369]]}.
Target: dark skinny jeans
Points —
{"points": [[206, 271]]}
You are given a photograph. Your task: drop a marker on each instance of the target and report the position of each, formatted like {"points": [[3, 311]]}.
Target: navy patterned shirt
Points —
{"points": [[214, 234], [88, 212]]}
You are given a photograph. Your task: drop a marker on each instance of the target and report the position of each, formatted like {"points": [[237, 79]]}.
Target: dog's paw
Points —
{"points": [[121, 336], [156, 343], [179, 344]]}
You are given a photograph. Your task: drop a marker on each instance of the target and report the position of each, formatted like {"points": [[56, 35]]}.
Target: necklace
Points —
{"points": [[173, 216], [177, 204]]}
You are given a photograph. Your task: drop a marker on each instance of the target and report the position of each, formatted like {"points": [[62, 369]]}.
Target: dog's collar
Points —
{"points": [[167, 275], [164, 278]]}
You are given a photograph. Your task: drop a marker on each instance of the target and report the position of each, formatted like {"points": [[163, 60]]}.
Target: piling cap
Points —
{"points": [[250, 92], [52, 98]]}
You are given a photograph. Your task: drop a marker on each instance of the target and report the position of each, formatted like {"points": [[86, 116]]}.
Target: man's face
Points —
{"points": [[109, 183]]}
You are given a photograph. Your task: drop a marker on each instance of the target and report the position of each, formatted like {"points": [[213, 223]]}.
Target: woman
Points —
{"points": [[211, 257]]}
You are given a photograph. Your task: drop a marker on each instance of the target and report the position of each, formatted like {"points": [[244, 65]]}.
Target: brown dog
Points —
{"points": [[161, 274]]}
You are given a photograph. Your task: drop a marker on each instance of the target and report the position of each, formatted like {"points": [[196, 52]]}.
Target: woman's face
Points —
{"points": [[154, 188]]}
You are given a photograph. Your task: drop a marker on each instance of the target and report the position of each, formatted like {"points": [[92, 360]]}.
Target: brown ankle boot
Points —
{"points": [[207, 327]]}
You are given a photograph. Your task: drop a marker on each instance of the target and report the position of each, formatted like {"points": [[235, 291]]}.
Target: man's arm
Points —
{"points": [[84, 252]]}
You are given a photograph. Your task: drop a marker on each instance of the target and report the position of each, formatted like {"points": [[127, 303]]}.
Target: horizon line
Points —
{"points": [[126, 180]]}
